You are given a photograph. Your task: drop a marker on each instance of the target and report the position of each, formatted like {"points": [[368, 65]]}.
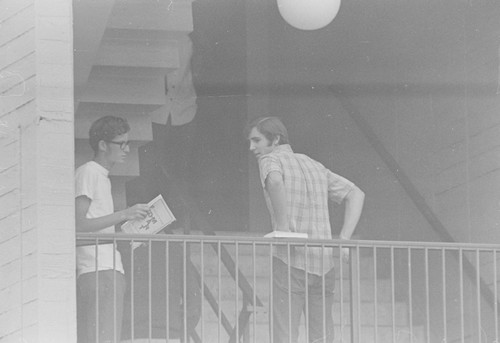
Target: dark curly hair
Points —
{"points": [[106, 129]]}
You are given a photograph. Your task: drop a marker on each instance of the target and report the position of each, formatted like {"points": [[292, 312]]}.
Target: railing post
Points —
{"points": [[354, 294]]}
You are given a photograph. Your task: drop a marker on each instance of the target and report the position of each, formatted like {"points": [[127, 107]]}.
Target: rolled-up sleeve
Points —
{"points": [[338, 187], [85, 183], [268, 164]]}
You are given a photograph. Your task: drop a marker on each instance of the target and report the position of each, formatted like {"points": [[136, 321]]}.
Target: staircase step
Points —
{"points": [[262, 260], [88, 35], [384, 313], [392, 323], [127, 52], [144, 34], [112, 86], [403, 335], [162, 15], [384, 333], [388, 314], [261, 284]]}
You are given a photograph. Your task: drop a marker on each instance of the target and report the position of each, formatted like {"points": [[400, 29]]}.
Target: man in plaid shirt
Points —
{"points": [[297, 189]]}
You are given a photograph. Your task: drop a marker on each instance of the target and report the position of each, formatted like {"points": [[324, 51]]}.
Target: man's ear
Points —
{"points": [[102, 146], [276, 140]]}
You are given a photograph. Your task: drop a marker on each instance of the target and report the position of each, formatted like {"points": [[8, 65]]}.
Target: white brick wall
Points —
{"points": [[37, 278]]}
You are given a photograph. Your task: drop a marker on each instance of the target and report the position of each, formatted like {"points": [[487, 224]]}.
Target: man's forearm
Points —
{"points": [[277, 195], [96, 224], [354, 206]]}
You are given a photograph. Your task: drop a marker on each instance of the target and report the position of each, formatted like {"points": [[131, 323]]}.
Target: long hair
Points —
{"points": [[270, 127]]}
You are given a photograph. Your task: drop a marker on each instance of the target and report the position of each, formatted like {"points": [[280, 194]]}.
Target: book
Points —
{"points": [[286, 234], [159, 216]]}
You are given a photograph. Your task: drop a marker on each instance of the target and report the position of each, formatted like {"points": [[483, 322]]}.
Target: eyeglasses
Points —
{"points": [[123, 145]]}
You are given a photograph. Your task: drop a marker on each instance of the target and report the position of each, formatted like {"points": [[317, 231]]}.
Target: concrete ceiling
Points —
{"points": [[371, 42]]}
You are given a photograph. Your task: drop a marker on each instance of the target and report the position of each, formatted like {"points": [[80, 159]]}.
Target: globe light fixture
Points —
{"points": [[308, 14]]}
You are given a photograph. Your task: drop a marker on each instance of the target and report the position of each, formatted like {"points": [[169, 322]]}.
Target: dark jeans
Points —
{"points": [[319, 305], [110, 306]]}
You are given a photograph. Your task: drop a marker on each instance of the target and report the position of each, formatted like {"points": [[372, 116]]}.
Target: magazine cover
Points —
{"points": [[159, 216]]}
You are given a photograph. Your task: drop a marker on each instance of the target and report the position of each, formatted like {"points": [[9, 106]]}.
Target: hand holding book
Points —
{"points": [[158, 217]]}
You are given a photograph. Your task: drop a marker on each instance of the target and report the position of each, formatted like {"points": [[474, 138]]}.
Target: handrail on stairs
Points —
{"points": [[410, 189], [178, 186]]}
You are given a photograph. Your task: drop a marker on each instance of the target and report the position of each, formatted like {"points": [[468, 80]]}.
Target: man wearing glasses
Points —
{"points": [[94, 212]]}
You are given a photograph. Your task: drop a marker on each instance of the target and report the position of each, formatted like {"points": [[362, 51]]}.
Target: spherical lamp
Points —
{"points": [[308, 14]]}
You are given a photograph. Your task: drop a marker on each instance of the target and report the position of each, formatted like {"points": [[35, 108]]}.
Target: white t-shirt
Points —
{"points": [[92, 181]]}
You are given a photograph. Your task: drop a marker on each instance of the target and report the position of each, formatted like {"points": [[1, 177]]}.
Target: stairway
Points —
{"points": [[125, 50], [257, 330]]}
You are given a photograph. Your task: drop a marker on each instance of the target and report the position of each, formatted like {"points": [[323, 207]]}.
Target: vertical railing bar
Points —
{"points": [[393, 297], [202, 284], [445, 320], [478, 294], [167, 289], [323, 295], [97, 289], [132, 291], [150, 293], [236, 288], [306, 293], [352, 296], [427, 294], [114, 292], [358, 291], [254, 295], [462, 314], [289, 285], [375, 294], [429, 281], [341, 297], [271, 301], [495, 287], [184, 289], [410, 294], [219, 310]]}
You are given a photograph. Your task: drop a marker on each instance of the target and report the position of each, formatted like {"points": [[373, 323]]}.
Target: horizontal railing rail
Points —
{"points": [[103, 238], [177, 287]]}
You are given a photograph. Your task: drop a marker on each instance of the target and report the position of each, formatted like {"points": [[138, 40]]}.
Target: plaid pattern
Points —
{"points": [[309, 185]]}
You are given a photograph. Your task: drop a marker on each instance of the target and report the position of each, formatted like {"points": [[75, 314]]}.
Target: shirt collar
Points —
{"points": [[283, 148], [100, 168]]}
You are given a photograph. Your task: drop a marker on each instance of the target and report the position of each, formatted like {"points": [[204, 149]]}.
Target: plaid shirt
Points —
{"points": [[309, 185]]}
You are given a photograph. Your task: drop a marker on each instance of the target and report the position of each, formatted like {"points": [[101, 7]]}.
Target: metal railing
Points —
{"points": [[179, 287]]}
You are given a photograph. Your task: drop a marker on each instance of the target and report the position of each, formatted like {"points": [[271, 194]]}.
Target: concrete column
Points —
{"points": [[38, 266], [54, 144]]}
